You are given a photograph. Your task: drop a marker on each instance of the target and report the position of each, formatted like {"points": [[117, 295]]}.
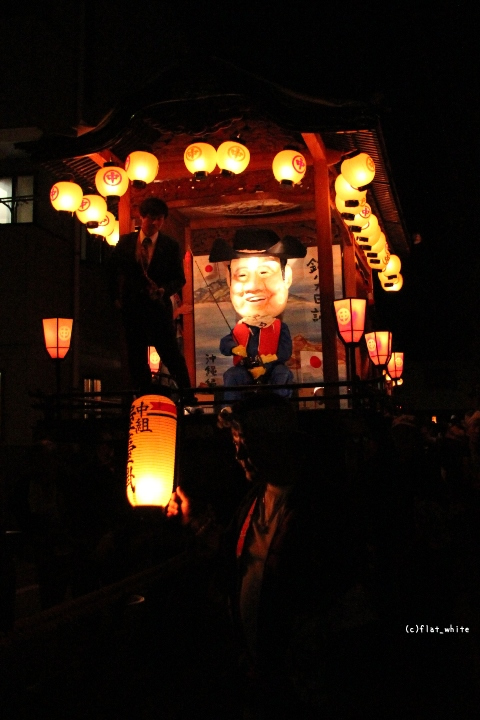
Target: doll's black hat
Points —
{"points": [[256, 243]]}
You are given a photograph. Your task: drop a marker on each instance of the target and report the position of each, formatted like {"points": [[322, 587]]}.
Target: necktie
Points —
{"points": [[146, 245]]}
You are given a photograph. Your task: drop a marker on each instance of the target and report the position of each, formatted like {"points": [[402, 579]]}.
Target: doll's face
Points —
{"points": [[258, 286]]}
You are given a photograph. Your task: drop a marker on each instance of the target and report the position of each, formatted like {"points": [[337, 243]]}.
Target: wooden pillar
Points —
{"points": [[325, 261], [124, 214], [188, 319]]}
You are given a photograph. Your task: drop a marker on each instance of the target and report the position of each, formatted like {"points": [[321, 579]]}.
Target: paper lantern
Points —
{"points": [[105, 226], [395, 365], [232, 157], [370, 232], [289, 167], [66, 196], [349, 206], [379, 244], [359, 170], [153, 359], [151, 451], [57, 333], [379, 346], [111, 180], [346, 192], [92, 210], [392, 269], [114, 236], [378, 261], [141, 168], [350, 314], [200, 159], [392, 286]]}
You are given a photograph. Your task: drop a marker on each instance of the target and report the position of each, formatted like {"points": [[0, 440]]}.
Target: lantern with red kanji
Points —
{"points": [[151, 451]]}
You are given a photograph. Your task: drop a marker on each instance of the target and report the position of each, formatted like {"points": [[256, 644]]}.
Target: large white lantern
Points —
{"points": [[151, 451], [345, 191], [359, 170], [200, 159], [391, 285], [289, 167], [92, 210], [141, 168], [105, 226], [114, 236], [111, 180], [232, 157], [66, 196]]}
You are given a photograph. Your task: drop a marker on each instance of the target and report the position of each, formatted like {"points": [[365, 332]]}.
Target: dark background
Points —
{"points": [[418, 66]]}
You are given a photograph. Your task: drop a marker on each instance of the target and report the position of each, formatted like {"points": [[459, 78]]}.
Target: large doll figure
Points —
{"points": [[259, 278]]}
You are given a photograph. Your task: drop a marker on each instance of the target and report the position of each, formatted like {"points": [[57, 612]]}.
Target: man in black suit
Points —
{"points": [[147, 270]]}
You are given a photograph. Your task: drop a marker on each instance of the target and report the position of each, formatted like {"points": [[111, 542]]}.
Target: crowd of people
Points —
{"points": [[304, 559]]}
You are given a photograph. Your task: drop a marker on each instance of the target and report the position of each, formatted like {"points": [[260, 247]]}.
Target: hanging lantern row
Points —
{"points": [[350, 316], [232, 157], [356, 173], [111, 181]]}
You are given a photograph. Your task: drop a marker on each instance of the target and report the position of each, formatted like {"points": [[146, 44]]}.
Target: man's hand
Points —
{"points": [[240, 350], [268, 358], [179, 504], [257, 372]]}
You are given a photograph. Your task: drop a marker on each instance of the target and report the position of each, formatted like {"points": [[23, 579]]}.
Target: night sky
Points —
{"points": [[417, 66]]}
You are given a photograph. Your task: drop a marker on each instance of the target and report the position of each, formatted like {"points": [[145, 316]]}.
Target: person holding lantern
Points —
{"points": [[259, 278], [283, 564], [147, 270]]}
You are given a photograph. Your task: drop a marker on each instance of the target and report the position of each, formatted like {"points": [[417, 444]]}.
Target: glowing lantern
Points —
{"points": [[151, 450], [114, 236], [111, 181], [370, 232], [57, 333], [289, 167], [200, 159], [141, 168], [395, 365], [92, 210], [390, 285], [66, 196], [400, 381], [378, 261], [346, 192], [379, 244], [153, 359], [358, 171], [349, 206], [105, 226], [355, 223], [379, 346], [350, 314], [232, 157], [392, 269]]}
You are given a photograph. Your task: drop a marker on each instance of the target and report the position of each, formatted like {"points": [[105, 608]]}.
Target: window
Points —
{"points": [[16, 199]]}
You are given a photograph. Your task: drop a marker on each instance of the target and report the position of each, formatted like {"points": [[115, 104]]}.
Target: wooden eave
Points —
{"points": [[214, 103]]}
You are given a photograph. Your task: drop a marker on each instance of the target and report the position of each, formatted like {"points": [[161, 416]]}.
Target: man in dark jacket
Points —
{"points": [[147, 269]]}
